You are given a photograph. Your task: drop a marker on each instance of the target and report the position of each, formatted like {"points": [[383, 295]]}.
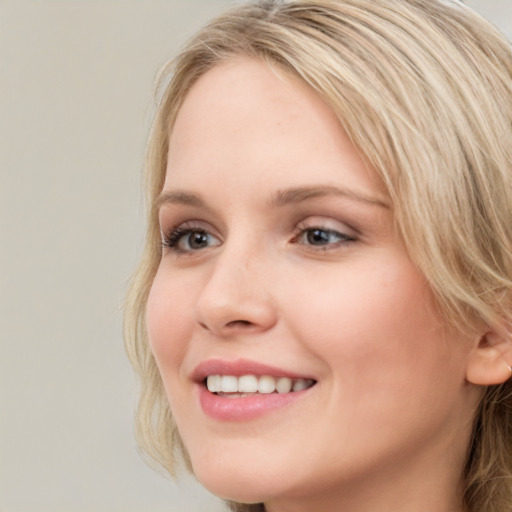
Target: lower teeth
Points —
{"points": [[241, 395], [235, 395]]}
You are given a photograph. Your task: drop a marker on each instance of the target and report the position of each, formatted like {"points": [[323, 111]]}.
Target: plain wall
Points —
{"points": [[76, 80]]}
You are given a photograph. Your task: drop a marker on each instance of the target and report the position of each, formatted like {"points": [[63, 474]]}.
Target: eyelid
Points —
{"points": [[344, 235], [167, 227], [171, 215], [328, 224]]}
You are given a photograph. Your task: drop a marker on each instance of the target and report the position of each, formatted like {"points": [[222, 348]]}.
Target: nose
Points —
{"points": [[236, 298]]}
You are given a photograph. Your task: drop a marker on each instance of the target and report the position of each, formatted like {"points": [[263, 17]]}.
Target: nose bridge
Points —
{"points": [[236, 293]]}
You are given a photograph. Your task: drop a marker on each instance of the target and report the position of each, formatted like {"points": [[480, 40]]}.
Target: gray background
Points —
{"points": [[76, 80]]}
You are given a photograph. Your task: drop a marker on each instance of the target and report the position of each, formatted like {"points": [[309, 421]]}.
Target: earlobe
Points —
{"points": [[490, 362]]}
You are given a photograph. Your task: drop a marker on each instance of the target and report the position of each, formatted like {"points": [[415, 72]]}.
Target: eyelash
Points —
{"points": [[176, 235], [344, 238], [172, 240]]}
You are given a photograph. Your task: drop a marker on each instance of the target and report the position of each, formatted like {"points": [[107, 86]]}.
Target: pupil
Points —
{"points": [[198, 240], [318, 236]]}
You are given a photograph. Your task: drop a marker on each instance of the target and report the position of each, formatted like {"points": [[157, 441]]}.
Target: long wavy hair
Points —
{"points": [[424, 90]]}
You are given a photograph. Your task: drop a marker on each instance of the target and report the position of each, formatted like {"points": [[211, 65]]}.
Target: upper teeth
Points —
{"points": [[254, 384]]}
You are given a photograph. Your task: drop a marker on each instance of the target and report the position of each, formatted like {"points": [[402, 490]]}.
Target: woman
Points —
{"points": [[322, 316]]}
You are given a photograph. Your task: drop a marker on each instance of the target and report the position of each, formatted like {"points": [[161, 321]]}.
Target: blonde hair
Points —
{"points": [[424, 90]]}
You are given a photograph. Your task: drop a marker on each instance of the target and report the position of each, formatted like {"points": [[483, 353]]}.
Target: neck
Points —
{"points": [[421, 485]]}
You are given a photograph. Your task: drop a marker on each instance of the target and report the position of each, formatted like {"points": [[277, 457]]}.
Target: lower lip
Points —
{"points": [[247, 407]]}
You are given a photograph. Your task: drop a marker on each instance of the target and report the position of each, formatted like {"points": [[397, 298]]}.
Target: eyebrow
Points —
{"points": [[299, 194], [281, 198], [179, 197]]}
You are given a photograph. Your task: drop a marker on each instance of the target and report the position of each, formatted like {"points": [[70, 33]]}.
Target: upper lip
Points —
{"points": [[240, 367]]}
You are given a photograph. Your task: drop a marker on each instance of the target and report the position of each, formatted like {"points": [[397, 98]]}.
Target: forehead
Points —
{"points": [[244, 95], [246, 117]]}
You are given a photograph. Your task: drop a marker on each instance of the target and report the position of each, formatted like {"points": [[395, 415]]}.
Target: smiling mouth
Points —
{"points": [[231, 386]]}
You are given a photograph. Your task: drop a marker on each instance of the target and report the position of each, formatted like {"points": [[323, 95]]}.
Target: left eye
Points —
{"points": [[322, 237], [188, 240]]}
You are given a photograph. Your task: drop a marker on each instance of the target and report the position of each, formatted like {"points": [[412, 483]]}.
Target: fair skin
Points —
{"points": [[287, 256]]}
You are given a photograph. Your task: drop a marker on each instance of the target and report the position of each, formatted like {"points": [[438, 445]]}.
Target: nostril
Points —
{"points": [[239, 323], [229, 326]]}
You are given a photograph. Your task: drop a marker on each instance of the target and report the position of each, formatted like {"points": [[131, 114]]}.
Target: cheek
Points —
{"points": [[386, 357], [374, 324], [168, 320]]}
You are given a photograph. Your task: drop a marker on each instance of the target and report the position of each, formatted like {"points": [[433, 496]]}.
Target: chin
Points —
{"points": [[241, 490], [234, 484]]}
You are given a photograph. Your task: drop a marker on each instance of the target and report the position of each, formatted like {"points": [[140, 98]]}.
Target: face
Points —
{"points": [[281, 268]]}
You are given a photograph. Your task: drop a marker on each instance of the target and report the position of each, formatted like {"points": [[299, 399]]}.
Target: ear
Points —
{"points": [[490, 361]]}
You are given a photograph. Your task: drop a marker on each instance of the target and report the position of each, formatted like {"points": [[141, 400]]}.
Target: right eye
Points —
{"points": [[188, 239]]}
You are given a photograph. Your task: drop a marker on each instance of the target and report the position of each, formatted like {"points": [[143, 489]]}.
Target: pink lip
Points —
{"points": [[240, 367], [243, 408]]}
